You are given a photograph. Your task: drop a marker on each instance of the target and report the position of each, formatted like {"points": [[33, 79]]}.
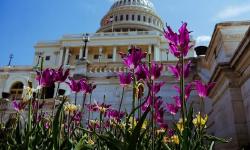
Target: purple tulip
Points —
{"points": [[188, 90], [86, 87], [77, 117], [203, 89], [133, 58], [177, 71], [159, 115], [172, 109], [157, 87], [60, 75], [125, 78], [141, 72], [75, 85], [46, 77], [156, 70], [19, 106], [92, 107], [179, 44], [115, 114]]}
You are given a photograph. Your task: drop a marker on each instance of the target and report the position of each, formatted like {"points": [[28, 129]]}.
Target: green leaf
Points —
{"points": [[56, 129], [217, 139], [211, 146]]}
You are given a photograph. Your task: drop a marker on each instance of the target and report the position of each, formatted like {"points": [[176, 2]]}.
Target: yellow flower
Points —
{"points": [[131, 121], [90, 142], [175, 139], [27, 93], [70, 108], [199, 120], [180, 125], [172, 139], [162, 130], [145, 124]]}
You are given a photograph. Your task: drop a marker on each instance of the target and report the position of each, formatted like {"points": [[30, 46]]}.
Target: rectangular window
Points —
{"points": [[121, 17], [133, 17], [144, 18], [116, 18], [139, 18], [96, 56], [47, 58], [127, 17], [110, 56]]}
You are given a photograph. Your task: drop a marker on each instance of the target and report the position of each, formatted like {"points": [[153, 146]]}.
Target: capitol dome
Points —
{"points": [[131, 15]]}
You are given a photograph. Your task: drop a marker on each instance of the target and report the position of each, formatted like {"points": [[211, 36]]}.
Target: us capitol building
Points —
{"points": [[136, 23]]}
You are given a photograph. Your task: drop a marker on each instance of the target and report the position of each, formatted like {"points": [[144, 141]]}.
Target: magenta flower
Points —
{"points": [[125, 78], [75, 85], [77, 117], [92, 107], [46, 77], [177, 101], [188, 90], [19, 106], [156, 70], [159, 115], [177, 71], [172, 109], [86, 87], [141, 72], [203, 89], [179, 44], [115, 114], [61, 75], [133, 58], [157, 87]]}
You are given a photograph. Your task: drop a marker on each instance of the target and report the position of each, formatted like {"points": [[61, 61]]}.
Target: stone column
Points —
{"points": [[150, 49], [100, 53], [156, 53], [80, 52], [114, 54], [66, 56], [60, 57]]}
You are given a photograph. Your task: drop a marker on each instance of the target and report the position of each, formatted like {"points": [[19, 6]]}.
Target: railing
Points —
{"points": [[114, 67], [111, 34]]}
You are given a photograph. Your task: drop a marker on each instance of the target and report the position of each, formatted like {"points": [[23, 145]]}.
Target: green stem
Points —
{"points": [[123, 89], [182, 87], [90, 101], [54, 104], [29, 122], [75, 97], [134, 97]]}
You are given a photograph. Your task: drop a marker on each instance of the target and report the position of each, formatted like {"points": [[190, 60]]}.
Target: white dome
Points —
{"points": [[141, 3], [131, 15]]}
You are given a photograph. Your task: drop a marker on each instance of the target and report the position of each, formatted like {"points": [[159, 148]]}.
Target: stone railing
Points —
{"points": [[114, 67], [111, 34]]}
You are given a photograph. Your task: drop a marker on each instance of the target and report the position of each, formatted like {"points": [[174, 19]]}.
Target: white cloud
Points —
{"points": [[203, 40], [233, 11]]}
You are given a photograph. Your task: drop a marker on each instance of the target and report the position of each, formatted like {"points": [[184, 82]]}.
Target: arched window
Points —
{"points": [[16, 90]]}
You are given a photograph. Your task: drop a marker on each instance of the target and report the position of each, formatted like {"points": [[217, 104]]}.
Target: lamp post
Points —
{"points": [[85, 39], [167, 53]]}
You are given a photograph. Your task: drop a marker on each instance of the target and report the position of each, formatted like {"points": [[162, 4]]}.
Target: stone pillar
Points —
{"points": [[66, 56], [80, 53], [60, 57], [100, 53], [156, 53], [114, 54], [150, 49]]}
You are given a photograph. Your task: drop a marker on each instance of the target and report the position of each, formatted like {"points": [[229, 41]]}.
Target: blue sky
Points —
{"points": [[24, 22]]}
